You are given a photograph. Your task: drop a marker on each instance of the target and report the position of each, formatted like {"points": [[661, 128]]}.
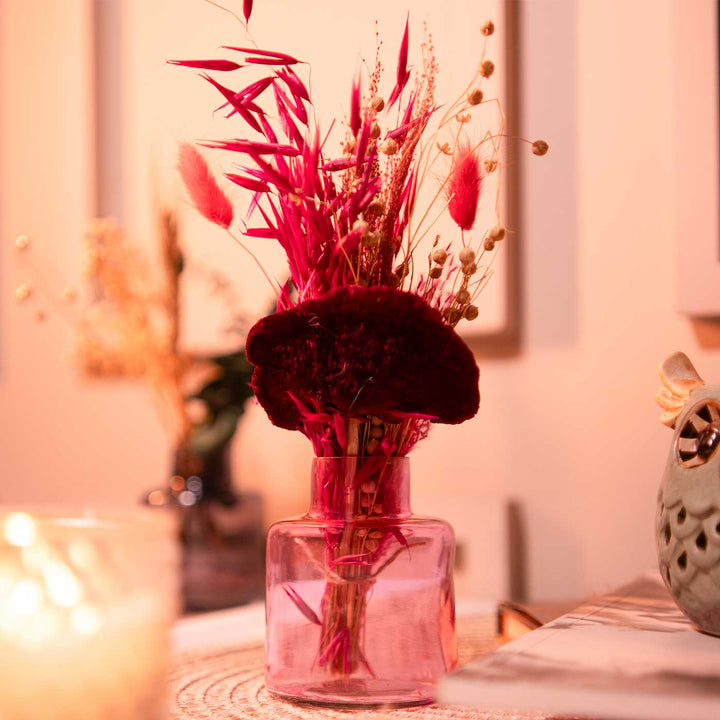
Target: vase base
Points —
{"points": [[357, 693]]}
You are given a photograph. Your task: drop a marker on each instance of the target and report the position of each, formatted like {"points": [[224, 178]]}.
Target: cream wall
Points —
{"points": [[568, 428]]}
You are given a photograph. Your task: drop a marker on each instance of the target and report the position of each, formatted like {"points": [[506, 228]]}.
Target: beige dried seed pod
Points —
{"points": [[462, 296], [376, 207], [488, 28], [540, 147], [489, 244], [439, 256], [471, 312], [497, 233], [377, 104], [371, 239], [452, 315], [487, 68], [22, 242], [475, 96], [466, 255], [490, 165], [374, 131], [377, 432], [389, 147], [23, 292], [435, 272]]}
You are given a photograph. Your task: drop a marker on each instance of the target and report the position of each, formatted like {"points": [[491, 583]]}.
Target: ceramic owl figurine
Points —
{"points": [[687, 523]]}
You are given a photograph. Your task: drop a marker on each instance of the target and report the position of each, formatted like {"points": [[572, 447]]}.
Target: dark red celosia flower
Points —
{"points": [[366, 351], [463, 187]]}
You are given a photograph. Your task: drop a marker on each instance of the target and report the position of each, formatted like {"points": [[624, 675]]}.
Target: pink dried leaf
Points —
{"points": [[355, 120], [210, 201], [342, 163], [219, 65], [254, 89], [403, 55], [271, 175], [402, 74], [357, 559], [301, 605], [252, 147], [248, 183], [397, 534], [269, 54], [291, 130], [333, 646], [267, 130], [266, 61], [362, 144], [365, 663], [229, 95], [283, 103], [265, 233], [294, 83]]}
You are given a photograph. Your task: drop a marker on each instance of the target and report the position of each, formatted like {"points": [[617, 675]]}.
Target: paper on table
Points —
{"points": [[237, 627], [630, 655]]}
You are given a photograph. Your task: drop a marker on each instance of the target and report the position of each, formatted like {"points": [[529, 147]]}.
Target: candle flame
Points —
{"points": [[85, 620], [62, 586], [26, 598], [20, 529]]}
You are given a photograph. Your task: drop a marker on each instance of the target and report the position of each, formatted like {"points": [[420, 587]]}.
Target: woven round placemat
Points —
{"points": [[227, 684]]}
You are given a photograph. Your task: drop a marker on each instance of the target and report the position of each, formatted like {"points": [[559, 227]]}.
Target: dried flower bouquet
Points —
{"points": [[362, 356]]}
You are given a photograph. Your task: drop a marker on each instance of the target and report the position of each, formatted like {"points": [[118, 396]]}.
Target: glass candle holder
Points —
{"points": [[86, 602]]}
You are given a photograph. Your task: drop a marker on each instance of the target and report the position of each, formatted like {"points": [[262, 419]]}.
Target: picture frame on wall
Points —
{"points": [[161, 105], [697, 228]]}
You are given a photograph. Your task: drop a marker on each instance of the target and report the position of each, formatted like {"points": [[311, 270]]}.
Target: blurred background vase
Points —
{"points": [[221, 532], [221, 528]]}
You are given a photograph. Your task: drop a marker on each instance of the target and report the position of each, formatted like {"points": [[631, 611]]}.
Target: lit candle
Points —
{"points": [[85, 608]]}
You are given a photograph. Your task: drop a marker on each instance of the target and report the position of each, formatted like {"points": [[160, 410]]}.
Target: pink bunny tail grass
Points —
{"points": [[463, 188], [209, 200], [247, 9]]}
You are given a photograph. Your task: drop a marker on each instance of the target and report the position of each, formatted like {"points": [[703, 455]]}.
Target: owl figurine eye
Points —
{"points": [[699, 436]]}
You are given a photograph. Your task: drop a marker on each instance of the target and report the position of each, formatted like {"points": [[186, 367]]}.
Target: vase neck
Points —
{"points": [[355, 488]]}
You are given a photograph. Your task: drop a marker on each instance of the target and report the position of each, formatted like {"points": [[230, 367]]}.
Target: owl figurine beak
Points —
{"points": [[679, 378]]}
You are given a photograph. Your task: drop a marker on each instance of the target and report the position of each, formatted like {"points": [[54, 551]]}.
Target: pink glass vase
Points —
{"points": [[360, 603]]}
